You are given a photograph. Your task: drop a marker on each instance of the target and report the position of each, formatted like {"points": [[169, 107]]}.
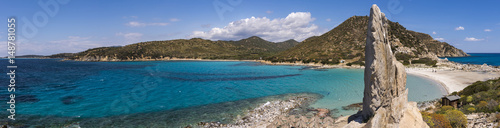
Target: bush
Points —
{"points": [[471, 109], [469, 99], [440, 121], [457, 118], [482, 104], [427, 118], [361, 63], [444, 109], [426, 61]]}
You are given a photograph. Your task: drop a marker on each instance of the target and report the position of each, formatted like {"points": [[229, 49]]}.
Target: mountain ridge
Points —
{"points": [[346, 42], [343, 43], [250, 48]]}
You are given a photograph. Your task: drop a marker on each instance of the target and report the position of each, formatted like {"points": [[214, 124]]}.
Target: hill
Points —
{"points": [[250, 48], [347, 42]]}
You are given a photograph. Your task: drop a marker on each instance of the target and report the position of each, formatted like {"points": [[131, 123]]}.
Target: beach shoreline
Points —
{"points": [[453, 80], [451, 76]]}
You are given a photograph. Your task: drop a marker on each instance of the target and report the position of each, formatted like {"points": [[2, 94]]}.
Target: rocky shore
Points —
{"points": [[279, 113]]}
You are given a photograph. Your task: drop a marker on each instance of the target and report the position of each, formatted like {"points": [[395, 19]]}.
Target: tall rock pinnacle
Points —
{"points": [[385, 77], [385, 101]]}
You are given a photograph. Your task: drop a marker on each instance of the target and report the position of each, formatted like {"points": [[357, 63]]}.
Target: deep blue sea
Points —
{"points": [[478, 58], [174, 93]]}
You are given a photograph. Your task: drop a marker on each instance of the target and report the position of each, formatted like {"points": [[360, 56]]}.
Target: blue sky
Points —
{"points": [[77, 25]]}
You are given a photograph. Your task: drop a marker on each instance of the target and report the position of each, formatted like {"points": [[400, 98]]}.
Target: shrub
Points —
{"points": [[426, 61], [427, 118], [469, 99], [482, 104], [440, 121], [471, 109], [444, 109], [457, 118]]}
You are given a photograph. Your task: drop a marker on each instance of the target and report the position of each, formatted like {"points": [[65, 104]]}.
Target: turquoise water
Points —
{"points": [[478, 58], [102, 90]]}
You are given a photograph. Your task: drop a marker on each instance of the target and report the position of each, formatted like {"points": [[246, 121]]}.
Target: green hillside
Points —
{"points": [[250, 48], [347, 42]]}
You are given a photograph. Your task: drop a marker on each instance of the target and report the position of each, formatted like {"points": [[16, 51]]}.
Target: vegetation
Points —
{"points": [[347, 42], [457, 118], [481, 96], [445, 117], [426, 61], [361, 63], [250, 48], [344, 42]]}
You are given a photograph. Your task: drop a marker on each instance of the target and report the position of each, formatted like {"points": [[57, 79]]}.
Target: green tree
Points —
{"points": [[457, 118]]}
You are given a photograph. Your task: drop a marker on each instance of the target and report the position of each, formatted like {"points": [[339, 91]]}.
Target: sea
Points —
{"points": [[56, 93], [478, 58]]}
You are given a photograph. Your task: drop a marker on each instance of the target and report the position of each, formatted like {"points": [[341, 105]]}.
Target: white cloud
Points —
{"points": [[472, 39], [139, 24], [459, 28], [269, 12], [440, 39], [487, 30], [174, 20], [328, 19], [434, 33], [297, 25], [131, 37]]}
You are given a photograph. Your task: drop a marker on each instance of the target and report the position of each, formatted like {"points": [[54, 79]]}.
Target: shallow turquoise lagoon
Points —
{"points": [[49, 87]]}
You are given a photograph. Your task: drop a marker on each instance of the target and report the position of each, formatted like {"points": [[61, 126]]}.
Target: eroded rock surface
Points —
{"points": [[385, 101]]}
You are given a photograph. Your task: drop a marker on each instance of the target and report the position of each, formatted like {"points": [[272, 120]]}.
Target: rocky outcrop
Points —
{"points": [[482, 120], [385, 101]]}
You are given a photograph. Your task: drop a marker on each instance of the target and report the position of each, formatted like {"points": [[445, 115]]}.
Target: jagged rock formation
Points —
{"points": [[385, 94], [385, 78]]}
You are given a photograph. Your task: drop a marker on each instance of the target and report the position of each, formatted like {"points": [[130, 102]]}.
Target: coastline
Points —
{"points": [[453, 80], [452, 76]]}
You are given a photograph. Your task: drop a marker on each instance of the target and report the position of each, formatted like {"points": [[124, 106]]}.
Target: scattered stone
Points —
{"points": [[482, 120]]}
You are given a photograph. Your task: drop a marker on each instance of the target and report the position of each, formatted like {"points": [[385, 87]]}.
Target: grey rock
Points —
{"points": [[385, 101], [385, 78]]}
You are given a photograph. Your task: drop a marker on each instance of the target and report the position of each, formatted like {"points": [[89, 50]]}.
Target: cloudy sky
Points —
{"points": [[53, 26]]}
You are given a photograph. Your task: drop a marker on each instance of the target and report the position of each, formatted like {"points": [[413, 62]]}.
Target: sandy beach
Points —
{"points": [[453, 80]]}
